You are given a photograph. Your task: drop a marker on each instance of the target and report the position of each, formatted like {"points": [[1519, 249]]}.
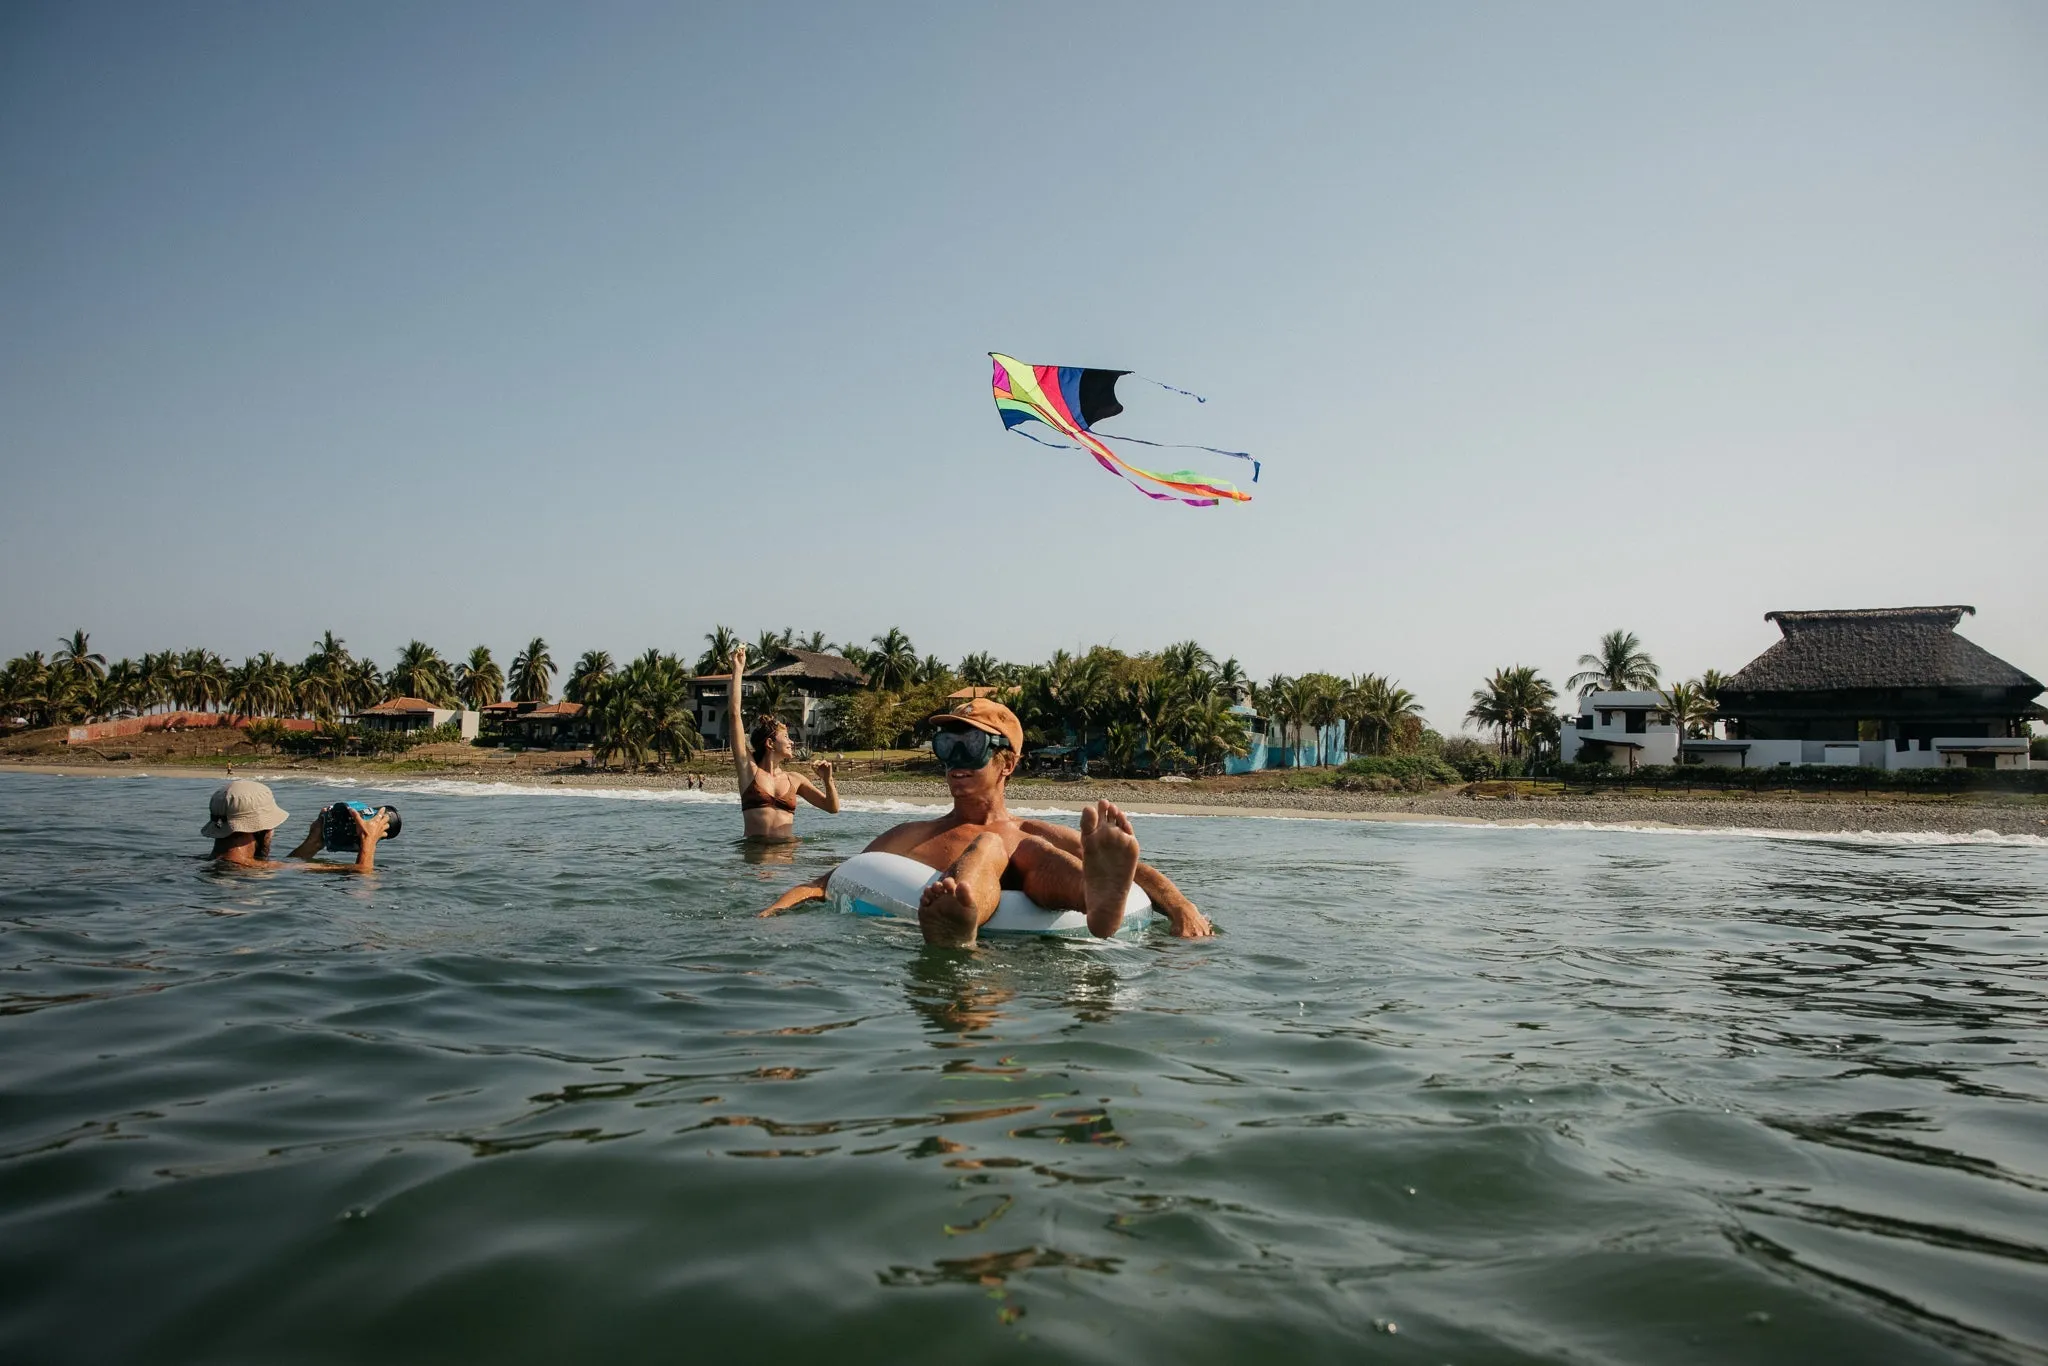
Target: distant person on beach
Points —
{"points": [[982, 849], [768, 792], [245, 815]]}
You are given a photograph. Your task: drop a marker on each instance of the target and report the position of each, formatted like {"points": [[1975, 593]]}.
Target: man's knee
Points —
{"points": [[986, 848]]}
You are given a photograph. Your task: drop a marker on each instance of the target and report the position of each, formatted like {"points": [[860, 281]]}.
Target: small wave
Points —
{"points": [[683, 796], [1898, 837]]}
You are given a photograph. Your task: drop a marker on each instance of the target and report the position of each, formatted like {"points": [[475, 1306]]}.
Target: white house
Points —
{"points": [[413, 713], [1630, 729]]}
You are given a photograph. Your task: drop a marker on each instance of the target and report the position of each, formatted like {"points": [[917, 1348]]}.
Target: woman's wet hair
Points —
{"points": [[763, 732]]}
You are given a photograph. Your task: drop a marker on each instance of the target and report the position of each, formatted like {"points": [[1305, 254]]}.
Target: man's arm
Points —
{"points": [[1167, 899], [813, 890], [368, 832], [898, 840], [310, 845]]}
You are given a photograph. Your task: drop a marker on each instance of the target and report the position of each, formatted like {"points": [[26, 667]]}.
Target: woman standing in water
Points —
{"points": [[768, 792]]}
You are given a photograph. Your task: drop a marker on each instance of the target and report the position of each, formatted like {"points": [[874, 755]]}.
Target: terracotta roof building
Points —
{"points": [[416, 713]]}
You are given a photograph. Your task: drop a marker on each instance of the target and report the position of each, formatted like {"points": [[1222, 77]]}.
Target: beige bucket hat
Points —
{"points": [[243, 807]]}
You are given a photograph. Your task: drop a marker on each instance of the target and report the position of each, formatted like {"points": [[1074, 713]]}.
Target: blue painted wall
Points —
{"points": [[1323, 746]]}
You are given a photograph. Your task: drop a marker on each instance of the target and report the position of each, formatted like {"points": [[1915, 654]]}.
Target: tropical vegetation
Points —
{"points": [[1518, 706], [1620, 664], [1177, 709]]}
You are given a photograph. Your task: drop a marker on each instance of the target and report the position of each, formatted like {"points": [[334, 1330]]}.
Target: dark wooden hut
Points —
{"points": [[1877, 673]]}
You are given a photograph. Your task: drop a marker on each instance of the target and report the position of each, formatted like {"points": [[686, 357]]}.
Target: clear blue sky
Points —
{"points": [[613, 323]]}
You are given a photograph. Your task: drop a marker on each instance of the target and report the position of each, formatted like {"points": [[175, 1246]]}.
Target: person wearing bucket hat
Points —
{"points": [[244, 816], [982, 849]]}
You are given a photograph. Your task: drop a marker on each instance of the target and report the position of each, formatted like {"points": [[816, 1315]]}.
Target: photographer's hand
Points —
{"points": [[310, 845], [368, 832]]}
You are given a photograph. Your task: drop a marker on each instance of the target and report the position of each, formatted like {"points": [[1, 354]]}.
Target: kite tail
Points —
{"points": [[1056, 445], [1189, 446], [1170, 388]]}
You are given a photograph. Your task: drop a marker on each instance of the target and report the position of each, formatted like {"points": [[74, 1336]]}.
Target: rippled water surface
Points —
{"points": [[544, 1090]]}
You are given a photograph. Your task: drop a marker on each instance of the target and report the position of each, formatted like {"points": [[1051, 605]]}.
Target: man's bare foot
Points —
{"points": [[1109, 860], [948, 915]]}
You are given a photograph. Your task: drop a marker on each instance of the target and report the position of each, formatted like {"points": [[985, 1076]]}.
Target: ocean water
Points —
{"points": [[546, 1091]]}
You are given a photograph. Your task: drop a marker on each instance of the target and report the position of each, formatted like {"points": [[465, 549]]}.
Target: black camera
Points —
{"points": [[337, 831]]}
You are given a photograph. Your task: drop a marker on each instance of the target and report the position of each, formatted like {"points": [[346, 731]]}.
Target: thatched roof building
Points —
{"points": [[813, 670], [811, 676], [1901, 672]]}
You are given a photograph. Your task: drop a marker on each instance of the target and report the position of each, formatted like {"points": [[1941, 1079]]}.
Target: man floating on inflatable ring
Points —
{"points": [[981, 849]]}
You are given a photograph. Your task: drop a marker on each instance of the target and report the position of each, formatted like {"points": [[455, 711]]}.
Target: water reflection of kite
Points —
{"points": [[1071, 400]]}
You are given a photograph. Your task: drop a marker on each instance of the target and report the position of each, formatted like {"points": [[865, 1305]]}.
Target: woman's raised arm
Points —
{"points": [[735, 722]]}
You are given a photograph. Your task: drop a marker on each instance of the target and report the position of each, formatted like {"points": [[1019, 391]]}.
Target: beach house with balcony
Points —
{"points": [[1627, 729]]}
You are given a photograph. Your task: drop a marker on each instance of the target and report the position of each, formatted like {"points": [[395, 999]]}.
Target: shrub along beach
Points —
{"points": [[1115, 724]]}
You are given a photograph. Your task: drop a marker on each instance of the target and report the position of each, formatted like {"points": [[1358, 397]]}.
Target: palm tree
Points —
{"points": [[1511, 704], [1187, 659], [1711, 683], [478, 680], [769, 644], [643, 709], [1232, 680], [591, 670], [1690, 709], [76, 656], [894, 661], [717, 658], [1376, 711], [1619, 665], [1322, 706], [201, 680], [35, 691], [329, 652], [1215, 732], [533, 672], [159, 676], [362, 685], [421, 672], [1277, 700], [777, 697], [815, 642], [980, 671], [1492, 710]]}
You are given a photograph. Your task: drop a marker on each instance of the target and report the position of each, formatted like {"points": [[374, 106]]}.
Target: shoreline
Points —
{"points": [[1818, 813]]}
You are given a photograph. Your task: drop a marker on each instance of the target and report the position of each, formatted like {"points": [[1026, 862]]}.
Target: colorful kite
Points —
{"points": [[1071, 400]]}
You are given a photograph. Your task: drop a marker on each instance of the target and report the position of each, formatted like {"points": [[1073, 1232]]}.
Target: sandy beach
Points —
{"points": [[1811, 812]]}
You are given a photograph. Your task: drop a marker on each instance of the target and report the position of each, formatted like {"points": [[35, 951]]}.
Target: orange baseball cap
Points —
{"points": [[984, 714]]}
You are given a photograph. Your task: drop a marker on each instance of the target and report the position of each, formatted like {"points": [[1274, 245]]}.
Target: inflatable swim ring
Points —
{"points": [[890, 884]]}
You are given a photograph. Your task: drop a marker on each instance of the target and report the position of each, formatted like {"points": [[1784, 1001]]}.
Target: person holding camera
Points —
{"points": [[246, 815], [768, 792]]}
